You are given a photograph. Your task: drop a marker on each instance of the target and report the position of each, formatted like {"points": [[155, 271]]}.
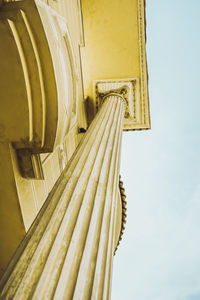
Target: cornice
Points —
{"points": [[143, 65]]}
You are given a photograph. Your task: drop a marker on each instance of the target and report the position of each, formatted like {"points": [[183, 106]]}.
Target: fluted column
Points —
{"points": [[67, 253]]}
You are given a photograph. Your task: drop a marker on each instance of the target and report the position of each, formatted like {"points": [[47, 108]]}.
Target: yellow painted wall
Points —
{"points": [[111, 41]]}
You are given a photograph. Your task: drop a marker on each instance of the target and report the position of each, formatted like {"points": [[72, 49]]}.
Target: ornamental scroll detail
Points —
{"points": [[125, 89]]}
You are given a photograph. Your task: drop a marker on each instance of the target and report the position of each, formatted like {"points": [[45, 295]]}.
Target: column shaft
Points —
{"points": [[67, 253]]}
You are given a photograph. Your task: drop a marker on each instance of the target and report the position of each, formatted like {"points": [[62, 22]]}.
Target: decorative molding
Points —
{"points": [[32, 78], [124, 215], [145, 115], [40, 74], [26, 74]]}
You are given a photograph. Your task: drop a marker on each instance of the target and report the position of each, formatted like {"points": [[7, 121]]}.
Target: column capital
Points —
{"points": [[121, 92], [135, 117]]}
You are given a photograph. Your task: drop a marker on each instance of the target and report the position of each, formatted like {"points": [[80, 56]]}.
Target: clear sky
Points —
{"points": [[159, 255]]}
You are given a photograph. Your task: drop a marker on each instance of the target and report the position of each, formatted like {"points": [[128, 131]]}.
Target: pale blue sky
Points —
{"points": [[159, 256]]}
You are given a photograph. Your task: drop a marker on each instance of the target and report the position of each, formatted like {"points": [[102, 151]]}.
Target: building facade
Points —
{"points": [[73, 77]]}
